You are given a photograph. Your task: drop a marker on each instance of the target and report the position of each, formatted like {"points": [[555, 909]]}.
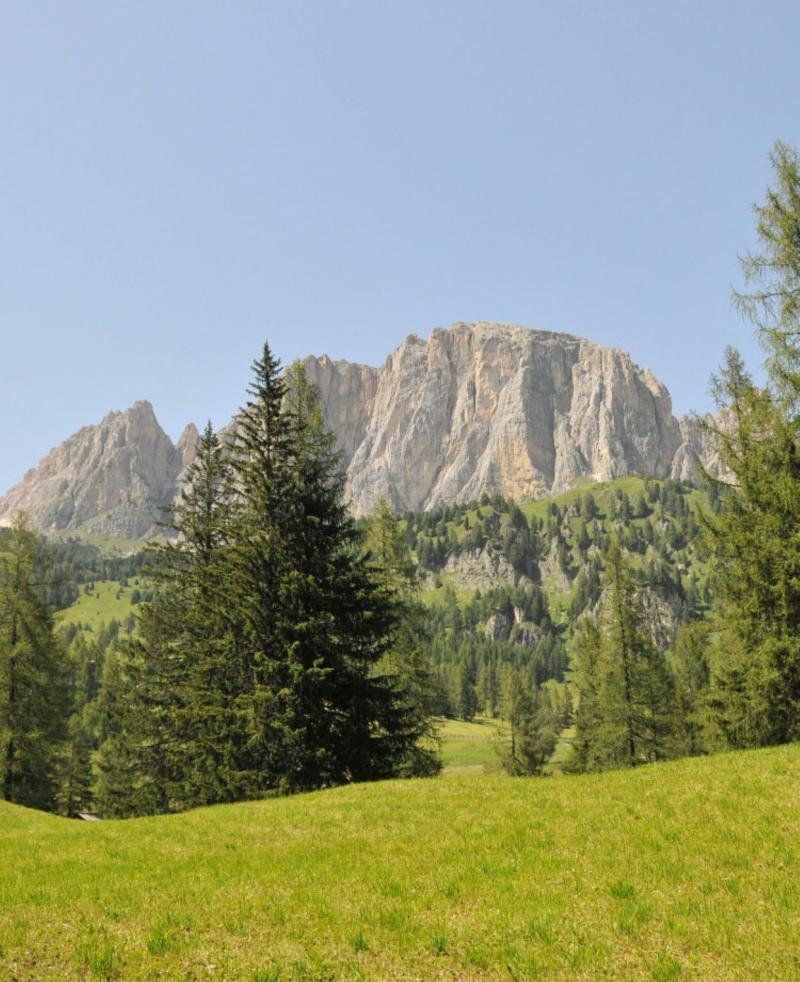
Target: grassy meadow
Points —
{"points": [[471, 744], [107, 601], [680, 870]]}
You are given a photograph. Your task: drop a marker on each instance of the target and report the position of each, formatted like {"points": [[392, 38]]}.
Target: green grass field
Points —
{"points": [[680, 870], [108, 601], [472, 745]]}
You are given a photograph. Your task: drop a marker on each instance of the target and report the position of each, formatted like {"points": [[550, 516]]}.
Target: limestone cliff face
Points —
{"points": [[110, 478], [700, 447], [479, 407], [494, 407]]}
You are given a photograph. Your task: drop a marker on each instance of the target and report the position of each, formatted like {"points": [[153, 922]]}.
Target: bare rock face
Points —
{"points": [[481, 569], [110, 478], [661, 616], [527, 633], [493, 407], [498, 627], [187, 444], [700, 449], [348, 394]]}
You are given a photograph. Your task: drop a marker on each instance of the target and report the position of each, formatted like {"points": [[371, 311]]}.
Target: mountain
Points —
{"points": [[110, 478], [499, 408], [477, 408]]}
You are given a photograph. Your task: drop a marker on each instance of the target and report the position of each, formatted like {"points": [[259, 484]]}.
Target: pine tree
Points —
{"points": [[275, 655], [467, 696], [625, 710], [773, 304], [406, 658], [692, 674], [175, 742], [530, 744], [585, 657], [206, 757], [33, 702], [317, 622], [258, 564], [757, 564]]}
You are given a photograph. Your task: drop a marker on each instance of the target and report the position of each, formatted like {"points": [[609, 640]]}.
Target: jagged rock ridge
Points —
{"points": [[478, 407]]}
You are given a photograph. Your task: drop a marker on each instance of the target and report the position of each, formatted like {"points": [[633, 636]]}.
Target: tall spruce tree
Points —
{"points": [[33, 699], [317, 621], [258, 570], [691, 670], [266, 660], [585, 657]]}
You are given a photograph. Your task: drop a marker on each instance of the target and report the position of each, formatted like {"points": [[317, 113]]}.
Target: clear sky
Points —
{"points": [[180, 180]]}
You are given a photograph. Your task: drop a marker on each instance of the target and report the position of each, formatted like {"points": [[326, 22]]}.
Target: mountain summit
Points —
{"points": [[478, 407], [110, 478], [497, 407]]}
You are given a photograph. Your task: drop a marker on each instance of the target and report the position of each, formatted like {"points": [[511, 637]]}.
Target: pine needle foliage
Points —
{"points": [[32, 692]]}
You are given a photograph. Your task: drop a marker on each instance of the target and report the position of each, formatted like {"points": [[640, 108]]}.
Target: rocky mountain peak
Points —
{"points": [[110, 478]]}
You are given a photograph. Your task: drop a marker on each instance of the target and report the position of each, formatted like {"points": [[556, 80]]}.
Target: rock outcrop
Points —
{"points": [[477, 408], [700, 449]]}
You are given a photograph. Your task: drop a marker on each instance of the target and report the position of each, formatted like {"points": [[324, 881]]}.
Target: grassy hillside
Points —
{"points": [[106, 601], [688, 869]]}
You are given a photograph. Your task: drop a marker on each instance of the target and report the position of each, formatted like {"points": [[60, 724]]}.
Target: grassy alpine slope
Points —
{"points": [[687, 869]]}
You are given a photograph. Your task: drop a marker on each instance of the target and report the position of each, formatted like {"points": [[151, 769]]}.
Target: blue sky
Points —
{"points": [[181, 180]]}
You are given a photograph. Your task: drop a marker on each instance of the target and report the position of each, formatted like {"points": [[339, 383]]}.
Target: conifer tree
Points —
{"points": [[756, 679], [530, 743], [405, 659], [206, 759], [773, 303], [317, 624], [267, 660], [174, 742], [585, 657], [467, 697], [625, 689], [33, 701], [691, 671]]}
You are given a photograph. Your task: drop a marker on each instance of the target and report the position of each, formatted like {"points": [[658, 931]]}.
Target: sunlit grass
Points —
{"points": [[107, 601], [470, 744], [687, 869]]}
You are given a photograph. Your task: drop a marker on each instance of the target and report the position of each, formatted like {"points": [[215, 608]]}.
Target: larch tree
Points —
{"points": [[755, 695]]}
